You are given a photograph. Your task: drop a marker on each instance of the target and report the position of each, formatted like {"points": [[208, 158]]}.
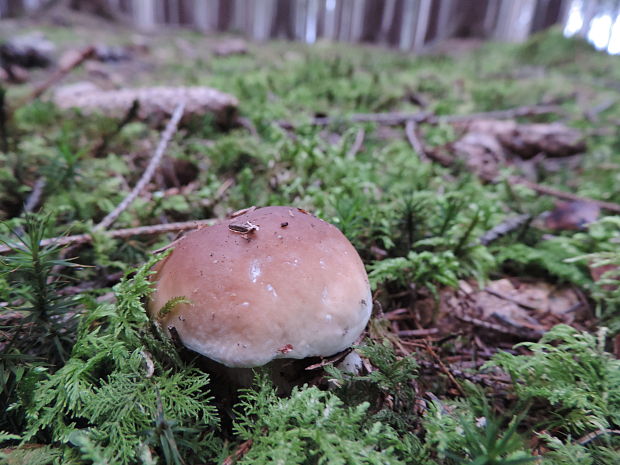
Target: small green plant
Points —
{"points": [[125, 388], [426, 269], [38, 323], [391, 379], [312, 426], [571, 371], [486, 444]]}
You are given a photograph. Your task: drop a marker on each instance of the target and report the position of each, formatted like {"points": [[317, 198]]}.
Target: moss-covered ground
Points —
{"points": [[86, 378]]}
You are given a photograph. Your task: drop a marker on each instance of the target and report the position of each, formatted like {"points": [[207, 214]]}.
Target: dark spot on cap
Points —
{"points": [[284, 225], [363, 302]]}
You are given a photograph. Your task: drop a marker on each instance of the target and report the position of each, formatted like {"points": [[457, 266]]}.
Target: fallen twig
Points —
{"points": [[610, 206], [414, 140], [150, 169], [119, 233], [417, 332], [473, 377], [593, 113], [381, 118], [4, 138], [357, 144], [508, 298], [35, 196], [396, 118], [61, 72], [505, 227], [444, 368], [330, 360], [596, 434], [105, 139], [521, 333], [503, 114], [243, 449]]}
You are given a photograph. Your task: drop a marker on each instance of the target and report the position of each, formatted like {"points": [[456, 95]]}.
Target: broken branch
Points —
{"points": [[61, 72], [120, 233], [610, 206], [171, 128]]}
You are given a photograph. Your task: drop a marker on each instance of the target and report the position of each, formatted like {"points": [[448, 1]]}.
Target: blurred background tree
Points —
{"points": [[410, 25]]}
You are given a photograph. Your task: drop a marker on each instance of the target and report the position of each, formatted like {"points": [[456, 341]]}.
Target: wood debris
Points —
{"points": [[528, 140], [156, 104], [488, 145]]}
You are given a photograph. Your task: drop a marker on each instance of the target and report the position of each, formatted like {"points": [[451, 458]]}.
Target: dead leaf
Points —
{"points": [[597, 273], [528, 140], [481, 152], [554, 140], [572, 216], [522, 309]]}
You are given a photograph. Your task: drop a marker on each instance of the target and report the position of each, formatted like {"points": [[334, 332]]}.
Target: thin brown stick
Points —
{"points": [[412, 136], [396, 118], [507, 298], [505, 227], [357, 144], [171, 128], [4, 138], [131, 114], [61, 72], [243, 449], [522, 333], [444, 368], [610, 206], [120, 233], [517, 112], [35, 196], [417, 332], [596, 434]]}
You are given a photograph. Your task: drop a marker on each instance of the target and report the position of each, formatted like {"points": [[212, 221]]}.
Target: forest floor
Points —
{"points": [[481, 189]]}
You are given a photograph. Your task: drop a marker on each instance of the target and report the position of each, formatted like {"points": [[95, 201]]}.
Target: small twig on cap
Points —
{"points": [[119, 233], [171, 128]]}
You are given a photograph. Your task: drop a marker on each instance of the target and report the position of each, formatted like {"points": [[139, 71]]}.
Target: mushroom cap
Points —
{"points": [[294, 287]]}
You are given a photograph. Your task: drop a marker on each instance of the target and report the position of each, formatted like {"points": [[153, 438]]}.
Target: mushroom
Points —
{"points": [[270, 283]]}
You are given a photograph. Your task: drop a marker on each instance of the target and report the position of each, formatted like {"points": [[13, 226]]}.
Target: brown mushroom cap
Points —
{"points": [[294, 287]]}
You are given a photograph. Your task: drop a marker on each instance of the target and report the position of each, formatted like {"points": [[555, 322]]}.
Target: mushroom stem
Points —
{"points": [[283, 373]]}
